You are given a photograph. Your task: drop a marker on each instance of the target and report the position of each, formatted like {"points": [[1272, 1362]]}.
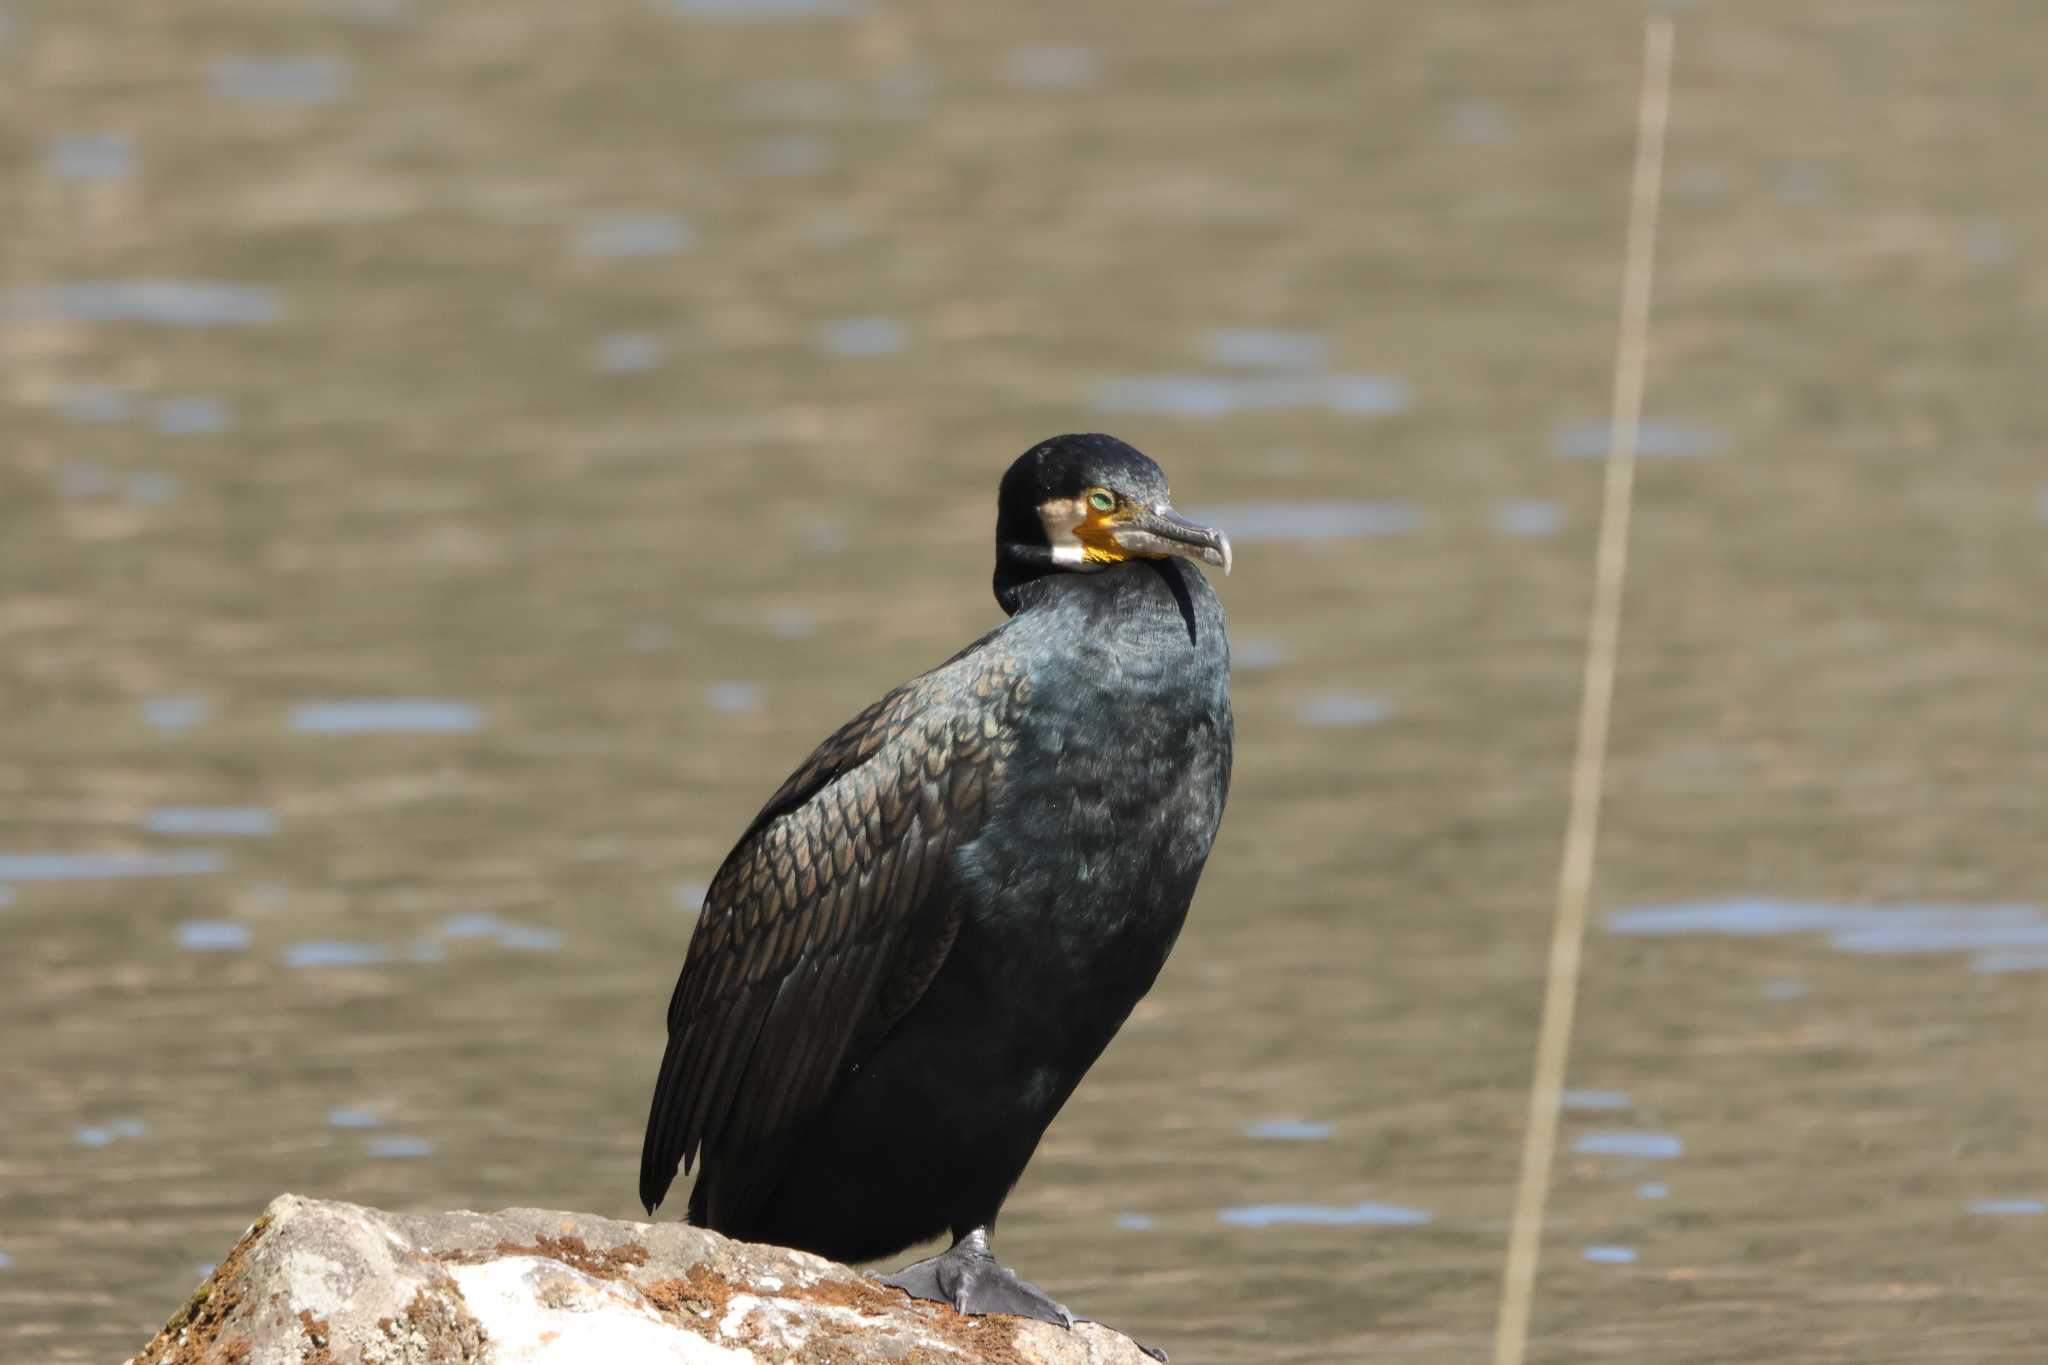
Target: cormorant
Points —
{"points": [[936, 925]]}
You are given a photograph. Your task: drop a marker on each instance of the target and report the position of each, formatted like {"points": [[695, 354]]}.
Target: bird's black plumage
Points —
{"points": [[935, 926]]}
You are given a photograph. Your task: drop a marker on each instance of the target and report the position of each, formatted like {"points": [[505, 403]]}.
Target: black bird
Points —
{"points": [[935, 926]]}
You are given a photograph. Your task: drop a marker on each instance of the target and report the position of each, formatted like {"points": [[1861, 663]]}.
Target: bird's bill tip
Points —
{"points": [[1160, 531]]}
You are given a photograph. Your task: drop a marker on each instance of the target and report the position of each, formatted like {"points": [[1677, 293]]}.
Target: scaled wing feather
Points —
{"points": [[825, 923]]}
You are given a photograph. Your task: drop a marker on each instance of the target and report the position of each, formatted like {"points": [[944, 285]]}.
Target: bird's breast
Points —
{"points": [[1111, 801]]}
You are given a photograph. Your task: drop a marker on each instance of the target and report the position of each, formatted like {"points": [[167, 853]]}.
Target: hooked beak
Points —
{"points": [[1159, 531]]}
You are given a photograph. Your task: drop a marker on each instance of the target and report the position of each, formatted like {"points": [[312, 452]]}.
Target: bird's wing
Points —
{"points": [[822, 926]]}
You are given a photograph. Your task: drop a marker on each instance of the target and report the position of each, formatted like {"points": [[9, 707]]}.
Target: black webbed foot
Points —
{"points": [[968, 1276]]}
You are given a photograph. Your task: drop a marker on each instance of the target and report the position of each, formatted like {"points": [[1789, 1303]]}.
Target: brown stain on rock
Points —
{"points": [[862, 1296], [614, 1263], [699, 1300], [985, 1340], [193, 1335], [318, 1338], [435, 1327], [702, 1293], [572, 1251]]}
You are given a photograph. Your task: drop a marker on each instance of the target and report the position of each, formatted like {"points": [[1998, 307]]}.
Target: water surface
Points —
{"points": [[488, 446]]}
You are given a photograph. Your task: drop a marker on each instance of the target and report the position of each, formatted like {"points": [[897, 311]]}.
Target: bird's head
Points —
{"points": [[1080, 504]]}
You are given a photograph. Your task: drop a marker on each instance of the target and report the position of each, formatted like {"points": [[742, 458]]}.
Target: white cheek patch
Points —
{"points": [[1062, 517]]}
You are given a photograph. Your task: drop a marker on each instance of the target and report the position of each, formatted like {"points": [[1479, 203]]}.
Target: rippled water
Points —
{"points": [[90, 156], [460, 459], [281, 80], [187, 303]]}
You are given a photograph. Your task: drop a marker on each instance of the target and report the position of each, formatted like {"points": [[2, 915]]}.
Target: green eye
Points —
{"points": [[1101, 501]]}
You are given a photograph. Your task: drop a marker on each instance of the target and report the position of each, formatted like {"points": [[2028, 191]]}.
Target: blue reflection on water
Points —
{"points": [[1742, 918], [152, 488], [335, 953], [2010, 1208], [825, 535], [353, 1116], [528, 939], [403, 715], [864, 336], [1288, 1130], [786, 154], [1880, 930], [281, 80], [64, 867], [94, 403], [652, 637], [629, 236], [478, 924], [761, 9], [5, 1260], [630, 352], [795, 99], [1654, 1189], [1051, 67], [1343, 709], [791, 623], [1254, 523], [1255, 652], [1481, 122], [1651, 1146], [242, 821], [1593, 1099], [473, 924], [182, 303], [735, 698], [106, 1134], [213, 936], [1588, 440], [1262, 348], [1136, 1222], [90, 156], [193, 415], [175, 713], [398, 1148], [1324, 1215], [1610, 1255], [1988, 242], [1209, 396], [1528, 517], [1801, 182], [6, 896], [2011, 960], [80, 479]]}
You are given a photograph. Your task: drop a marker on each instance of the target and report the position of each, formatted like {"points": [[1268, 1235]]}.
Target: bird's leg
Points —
{"points": [[968, 1276]]}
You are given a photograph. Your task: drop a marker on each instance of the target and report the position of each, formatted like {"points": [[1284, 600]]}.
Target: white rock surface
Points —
{"points": [[320, 1283]]}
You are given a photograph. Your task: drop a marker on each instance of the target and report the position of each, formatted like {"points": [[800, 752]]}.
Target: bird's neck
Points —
{"points": [[1023, 571]]}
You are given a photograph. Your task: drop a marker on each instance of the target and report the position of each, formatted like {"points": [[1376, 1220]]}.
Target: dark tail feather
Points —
{"points": [[663, 1145]]}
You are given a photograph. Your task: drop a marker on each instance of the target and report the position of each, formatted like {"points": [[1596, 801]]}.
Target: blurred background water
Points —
{"points": [[459, 456]]}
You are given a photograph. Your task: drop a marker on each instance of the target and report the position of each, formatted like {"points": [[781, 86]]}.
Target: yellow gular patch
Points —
{"points": [[1098, 541], [1080, 535]]}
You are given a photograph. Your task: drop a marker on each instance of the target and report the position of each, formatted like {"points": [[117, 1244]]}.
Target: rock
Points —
{"points": [[321, 1283]]}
